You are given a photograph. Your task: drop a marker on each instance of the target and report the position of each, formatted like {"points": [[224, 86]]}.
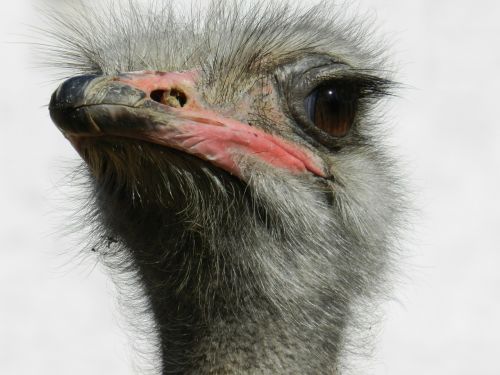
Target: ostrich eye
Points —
{"points": [[331, 108]]}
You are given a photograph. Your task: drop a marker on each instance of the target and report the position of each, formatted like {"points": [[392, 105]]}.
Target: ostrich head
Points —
{"points": [[236, 159]]}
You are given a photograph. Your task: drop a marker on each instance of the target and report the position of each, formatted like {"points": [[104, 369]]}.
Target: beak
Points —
{"points": [[167, 109], [97, 105]]}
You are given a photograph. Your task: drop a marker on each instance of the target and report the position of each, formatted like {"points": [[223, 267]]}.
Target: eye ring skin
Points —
{"points": [[298, 80]]}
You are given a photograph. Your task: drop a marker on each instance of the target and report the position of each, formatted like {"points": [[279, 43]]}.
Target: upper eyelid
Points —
{"points": [[306, 82], [308, 63]]}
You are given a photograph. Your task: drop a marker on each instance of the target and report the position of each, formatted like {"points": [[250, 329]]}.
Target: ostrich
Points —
{"points": [[237, 169]]}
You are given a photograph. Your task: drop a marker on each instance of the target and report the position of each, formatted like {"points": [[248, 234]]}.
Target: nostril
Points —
{"points": [[173, 98], [180, 96], [157, 95]]}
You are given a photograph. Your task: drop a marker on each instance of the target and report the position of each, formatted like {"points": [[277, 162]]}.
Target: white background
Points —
{"points": [[59, 317]]}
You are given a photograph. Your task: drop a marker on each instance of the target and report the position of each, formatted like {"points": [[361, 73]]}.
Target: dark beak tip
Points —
{"points": [[82, 101], [71, 92]]}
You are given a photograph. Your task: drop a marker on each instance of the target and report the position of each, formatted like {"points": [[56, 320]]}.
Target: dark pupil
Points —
{"points": [[332, 110]]}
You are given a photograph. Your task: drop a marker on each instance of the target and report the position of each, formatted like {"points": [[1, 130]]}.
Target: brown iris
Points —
{"points": [[332, 109]]}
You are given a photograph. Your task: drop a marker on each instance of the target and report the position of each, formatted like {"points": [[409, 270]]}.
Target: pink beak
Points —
{"points": [[169, 111]]}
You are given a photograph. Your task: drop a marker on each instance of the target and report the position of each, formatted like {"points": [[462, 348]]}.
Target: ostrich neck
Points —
{"points": [[243, 334], [220, 315], [234, 287]]}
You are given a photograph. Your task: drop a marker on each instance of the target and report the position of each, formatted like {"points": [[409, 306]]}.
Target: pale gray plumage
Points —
{"points": [[264, 273]]}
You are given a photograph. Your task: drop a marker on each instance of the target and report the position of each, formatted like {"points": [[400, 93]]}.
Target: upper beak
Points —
{"points": [[93, 105]]}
